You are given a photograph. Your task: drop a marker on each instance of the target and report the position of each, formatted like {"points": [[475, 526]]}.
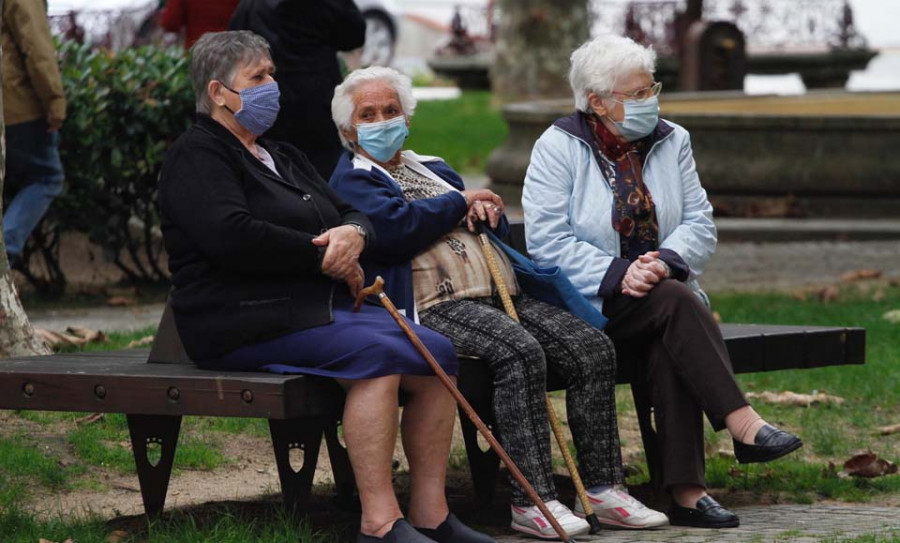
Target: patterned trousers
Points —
{"points": [[519, 357]]}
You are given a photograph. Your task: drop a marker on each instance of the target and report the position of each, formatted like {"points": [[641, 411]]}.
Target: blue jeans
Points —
{"points": [[34, 167]]}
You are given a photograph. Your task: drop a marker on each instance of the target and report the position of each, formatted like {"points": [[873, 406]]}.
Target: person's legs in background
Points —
{"points": [[33, 163]]}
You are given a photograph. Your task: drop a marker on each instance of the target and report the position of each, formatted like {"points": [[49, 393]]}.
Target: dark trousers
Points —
{"points": [[681, 355]]}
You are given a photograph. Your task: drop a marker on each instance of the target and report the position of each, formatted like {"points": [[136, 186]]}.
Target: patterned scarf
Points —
{"points": [[634, 215]]}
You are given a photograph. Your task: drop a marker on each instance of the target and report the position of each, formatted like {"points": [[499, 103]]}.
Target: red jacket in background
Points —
{"points": [[197, 17]]}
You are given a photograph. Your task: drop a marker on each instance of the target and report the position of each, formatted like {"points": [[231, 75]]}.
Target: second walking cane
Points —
{"points": [[503, 291], [376, 289]]}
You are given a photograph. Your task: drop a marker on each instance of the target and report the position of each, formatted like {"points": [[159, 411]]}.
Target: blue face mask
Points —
{"points": [[640, 118], [382, 140], [259, 107]]}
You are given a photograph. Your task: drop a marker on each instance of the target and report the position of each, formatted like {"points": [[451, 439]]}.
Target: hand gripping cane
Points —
{"points": [[377, 289], [503, 291]]}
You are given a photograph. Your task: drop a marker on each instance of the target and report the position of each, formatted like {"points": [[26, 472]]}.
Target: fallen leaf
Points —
{"points": [[859, 275], [794, 399], [888, 430], [88, 335], [120, 301], [146, 340], [892, 316], [117, 536], [867, 464], [93, 417], [828, 294]]}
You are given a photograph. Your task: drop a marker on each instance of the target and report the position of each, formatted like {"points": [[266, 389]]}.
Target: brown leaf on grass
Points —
{"points": [[117, 536], [867, 464], [888, 430], [794, 399], [828, 294], [144, 341], [120, 301], [86, 334], [90, 419], [859, 275]]}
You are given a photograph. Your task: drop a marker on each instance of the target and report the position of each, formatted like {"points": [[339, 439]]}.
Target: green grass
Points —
{"points": [[219, 524], [462, 131]]}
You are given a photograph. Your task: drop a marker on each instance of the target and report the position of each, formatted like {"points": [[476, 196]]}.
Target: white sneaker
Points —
{"points": [[529, 520], [616, 507]]}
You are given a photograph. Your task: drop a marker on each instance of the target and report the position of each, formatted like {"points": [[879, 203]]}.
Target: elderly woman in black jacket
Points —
{"points": [[264, 261]]}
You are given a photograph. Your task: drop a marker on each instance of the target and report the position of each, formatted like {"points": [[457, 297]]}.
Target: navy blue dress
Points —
{"points": [[360, 345]]}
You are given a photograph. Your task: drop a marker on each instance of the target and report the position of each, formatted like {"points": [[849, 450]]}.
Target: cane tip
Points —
{"points": [[592, 519]]}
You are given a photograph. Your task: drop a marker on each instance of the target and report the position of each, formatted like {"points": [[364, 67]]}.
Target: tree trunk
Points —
{"points": [[17, 337], [534, 41]]}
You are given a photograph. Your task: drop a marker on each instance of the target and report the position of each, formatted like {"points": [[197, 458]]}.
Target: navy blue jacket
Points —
{"points": [[402, 229]]}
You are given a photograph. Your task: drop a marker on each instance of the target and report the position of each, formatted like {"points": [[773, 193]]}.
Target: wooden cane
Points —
{"points": [[506, 299], [377, 289]]}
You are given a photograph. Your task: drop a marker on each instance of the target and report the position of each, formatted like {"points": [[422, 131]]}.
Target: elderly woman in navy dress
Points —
{"points": [[264, 261]]}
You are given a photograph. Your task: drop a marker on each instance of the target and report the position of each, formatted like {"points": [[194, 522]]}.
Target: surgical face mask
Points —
{"points": [[259, 107], [383, 139], [640, 118]]}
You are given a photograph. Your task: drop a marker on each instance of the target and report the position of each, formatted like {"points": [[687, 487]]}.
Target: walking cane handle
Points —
{"points": [[376, 288]]}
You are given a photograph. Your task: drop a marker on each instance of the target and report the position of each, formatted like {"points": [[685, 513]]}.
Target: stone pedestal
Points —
{"points": [[825, 154]]}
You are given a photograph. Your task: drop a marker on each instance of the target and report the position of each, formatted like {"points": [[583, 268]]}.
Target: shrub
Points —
{"points": [[124, 110]]}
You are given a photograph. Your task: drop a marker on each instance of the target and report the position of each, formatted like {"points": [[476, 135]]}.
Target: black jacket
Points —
{"points": [[305, 36], [239, 240]]}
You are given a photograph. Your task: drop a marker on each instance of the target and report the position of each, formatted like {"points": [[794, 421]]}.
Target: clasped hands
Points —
{"points": [[484, 206], [343, 245], [643, 274]]}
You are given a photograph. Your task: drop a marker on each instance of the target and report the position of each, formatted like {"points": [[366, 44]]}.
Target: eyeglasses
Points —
{"points": [[641, 94]]}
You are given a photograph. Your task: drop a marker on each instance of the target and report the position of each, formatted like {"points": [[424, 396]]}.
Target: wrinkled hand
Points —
{"points": [[484, 206], [343, 245], [53, 123], [643, 274]]}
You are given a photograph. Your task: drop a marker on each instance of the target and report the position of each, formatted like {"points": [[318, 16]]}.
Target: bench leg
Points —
{"points": [[483, 465], [287, 435], [154, 478], [643, 405], [344, 481]]}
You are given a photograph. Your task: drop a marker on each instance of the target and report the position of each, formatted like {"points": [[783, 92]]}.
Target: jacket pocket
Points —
{"points": [[264, 319]]}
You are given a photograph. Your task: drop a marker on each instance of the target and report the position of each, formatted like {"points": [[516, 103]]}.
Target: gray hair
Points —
{"points": [[599, 63], [342, 104], [216, 56]]}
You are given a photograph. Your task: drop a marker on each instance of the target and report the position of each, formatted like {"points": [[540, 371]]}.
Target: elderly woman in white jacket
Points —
{"points": [[612, 196]]}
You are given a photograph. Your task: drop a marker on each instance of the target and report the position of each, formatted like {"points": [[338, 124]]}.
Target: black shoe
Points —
{"points": [[770, 443], [708, 514], [401, 532], [454, 531]]}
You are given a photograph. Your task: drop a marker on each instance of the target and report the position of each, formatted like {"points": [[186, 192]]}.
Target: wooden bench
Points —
{"points": [[302, 410]]}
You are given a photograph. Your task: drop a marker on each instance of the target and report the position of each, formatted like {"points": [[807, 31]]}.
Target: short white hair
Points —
{"points": [[599, 63], [342, 104]]}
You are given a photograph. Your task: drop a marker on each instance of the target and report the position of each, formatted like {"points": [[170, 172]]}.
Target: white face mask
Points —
{"points": [[641, 117]]}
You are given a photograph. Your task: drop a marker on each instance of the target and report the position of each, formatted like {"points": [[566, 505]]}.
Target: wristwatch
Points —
{"points": [[360, 230]]}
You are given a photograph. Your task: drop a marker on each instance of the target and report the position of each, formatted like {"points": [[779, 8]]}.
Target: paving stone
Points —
{"points": [[768, 524]]}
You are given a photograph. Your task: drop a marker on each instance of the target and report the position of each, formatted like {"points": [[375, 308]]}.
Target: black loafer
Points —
{"points": [[770, 443], [401, 532], [708, 514], [453, 530]]}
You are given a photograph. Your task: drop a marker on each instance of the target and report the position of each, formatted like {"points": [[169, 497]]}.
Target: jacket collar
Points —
{"points": [[577, 126], [282, 162]]}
